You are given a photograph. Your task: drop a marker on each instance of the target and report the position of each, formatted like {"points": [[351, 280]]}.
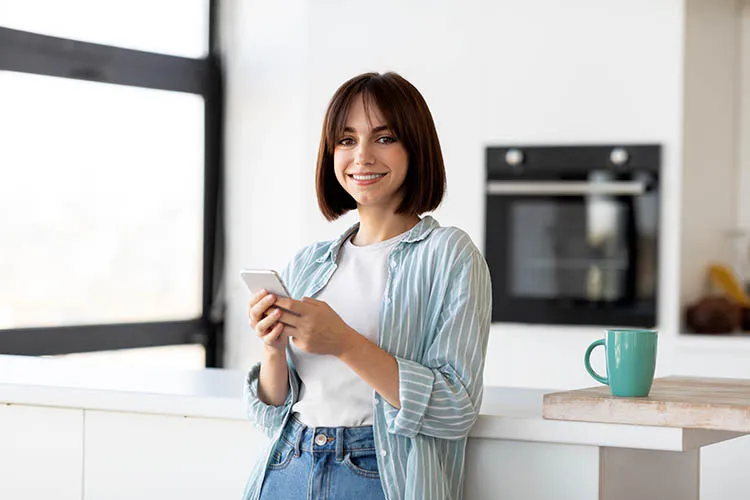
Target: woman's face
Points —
{"points": [[369, 161]]}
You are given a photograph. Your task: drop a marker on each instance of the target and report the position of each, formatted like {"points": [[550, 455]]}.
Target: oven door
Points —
{"points": [[574, 251]]}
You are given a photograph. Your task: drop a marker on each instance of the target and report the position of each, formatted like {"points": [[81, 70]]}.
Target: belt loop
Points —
{"points": [[298, 439], [339, 444]]}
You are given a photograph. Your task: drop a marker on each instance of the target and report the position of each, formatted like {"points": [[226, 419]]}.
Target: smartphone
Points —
{"points": [[268, 279]]}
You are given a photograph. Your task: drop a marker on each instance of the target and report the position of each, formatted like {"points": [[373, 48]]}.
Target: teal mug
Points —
{"points": [[631, 361]]}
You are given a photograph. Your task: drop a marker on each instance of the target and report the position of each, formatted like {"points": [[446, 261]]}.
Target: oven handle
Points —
{"points": [[569, 188]]}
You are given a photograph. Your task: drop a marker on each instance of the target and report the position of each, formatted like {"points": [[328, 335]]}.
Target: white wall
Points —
{"points": [[493, 72]]}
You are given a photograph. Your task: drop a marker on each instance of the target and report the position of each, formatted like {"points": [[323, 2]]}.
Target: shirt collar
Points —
{"points": [[419, 232]]}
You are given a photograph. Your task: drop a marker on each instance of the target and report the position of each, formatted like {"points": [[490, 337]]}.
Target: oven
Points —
{"points": [[572, 233]]}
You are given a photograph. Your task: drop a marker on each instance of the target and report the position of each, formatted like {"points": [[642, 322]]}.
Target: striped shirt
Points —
{"points": [[435, 320]]}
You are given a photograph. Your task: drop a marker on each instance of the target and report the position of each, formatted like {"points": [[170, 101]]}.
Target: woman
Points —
{"points": [[369, 390]]}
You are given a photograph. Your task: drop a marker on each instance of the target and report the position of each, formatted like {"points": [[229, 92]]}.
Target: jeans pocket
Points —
{"points": [[364, 464], [281, 455]]}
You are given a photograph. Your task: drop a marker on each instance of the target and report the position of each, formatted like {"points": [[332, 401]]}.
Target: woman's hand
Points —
{"points": [[315, 326], [264, 319]]}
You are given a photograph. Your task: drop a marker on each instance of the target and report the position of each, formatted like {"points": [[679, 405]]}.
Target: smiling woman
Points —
{"points": [[369, 389], [369, 161], [379, 120]]}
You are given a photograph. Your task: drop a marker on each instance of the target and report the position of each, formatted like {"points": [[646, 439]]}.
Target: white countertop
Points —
{"points": [[506, 413]]}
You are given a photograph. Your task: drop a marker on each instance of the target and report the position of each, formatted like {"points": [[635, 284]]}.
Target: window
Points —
{"points": [[175, 27], [109, 177]]}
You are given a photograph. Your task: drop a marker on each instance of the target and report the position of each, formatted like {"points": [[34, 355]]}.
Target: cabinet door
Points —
{"points": [[724, 470], [523, 470], [131, 455], [41, 453]]}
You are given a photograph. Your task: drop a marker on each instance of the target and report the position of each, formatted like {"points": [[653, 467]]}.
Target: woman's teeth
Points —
{"points": [[366, 177]]}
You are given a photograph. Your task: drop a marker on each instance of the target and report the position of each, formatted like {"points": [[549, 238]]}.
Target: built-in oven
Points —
{"points": [[572, 233]]}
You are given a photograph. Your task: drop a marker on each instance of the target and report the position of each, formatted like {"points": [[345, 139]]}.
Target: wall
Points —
{"points": [[710, 173], [583, 71], [743, 184]]}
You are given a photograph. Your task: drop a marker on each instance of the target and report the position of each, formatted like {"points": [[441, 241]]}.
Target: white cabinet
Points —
{"points": [[132, 455], [724, 470], [41, 453], [516, 470], [73, 454]]}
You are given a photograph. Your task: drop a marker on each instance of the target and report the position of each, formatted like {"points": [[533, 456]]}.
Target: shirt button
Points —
{"points": [[387, 300], [320, 439], [375, 401], [393, 264], [383, 452]]}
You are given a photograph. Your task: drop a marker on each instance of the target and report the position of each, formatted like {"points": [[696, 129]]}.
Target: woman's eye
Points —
{"points": [[386, 139], [346, 141]]}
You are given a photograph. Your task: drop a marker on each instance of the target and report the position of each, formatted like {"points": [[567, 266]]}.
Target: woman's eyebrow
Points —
{"points": [[377, 129]]}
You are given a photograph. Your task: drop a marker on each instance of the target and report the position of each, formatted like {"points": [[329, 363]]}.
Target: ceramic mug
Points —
{"points": [[631, 361]]}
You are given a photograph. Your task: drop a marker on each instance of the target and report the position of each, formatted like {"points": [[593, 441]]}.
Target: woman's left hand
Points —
{"points": [[315, 326]]}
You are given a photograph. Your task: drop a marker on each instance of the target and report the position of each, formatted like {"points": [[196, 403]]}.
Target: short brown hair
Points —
{"points": [[407, 115]]}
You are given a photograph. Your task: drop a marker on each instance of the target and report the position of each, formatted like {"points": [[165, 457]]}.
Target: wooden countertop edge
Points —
{"points": [[623, 411]]}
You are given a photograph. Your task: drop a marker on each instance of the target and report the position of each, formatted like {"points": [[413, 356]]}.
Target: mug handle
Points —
{"points": [[587, 362]]}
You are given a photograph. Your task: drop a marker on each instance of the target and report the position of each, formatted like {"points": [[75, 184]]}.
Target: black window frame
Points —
{"points": [[26, 52]]}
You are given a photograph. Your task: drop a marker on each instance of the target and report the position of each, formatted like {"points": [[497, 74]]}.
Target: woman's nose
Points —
{"points": [[363, 154]]}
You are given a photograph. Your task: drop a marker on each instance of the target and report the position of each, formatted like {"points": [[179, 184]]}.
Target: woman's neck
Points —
{"points": [[375, 227]]}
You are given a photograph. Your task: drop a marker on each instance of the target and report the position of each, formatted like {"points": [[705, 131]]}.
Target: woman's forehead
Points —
{"points": [[364, 108]]}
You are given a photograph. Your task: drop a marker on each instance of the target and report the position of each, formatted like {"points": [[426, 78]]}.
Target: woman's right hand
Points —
{"points": [[264, 319]]}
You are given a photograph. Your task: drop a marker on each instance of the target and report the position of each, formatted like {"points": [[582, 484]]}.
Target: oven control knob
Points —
{"points": [[619, 156], [514, 157]]}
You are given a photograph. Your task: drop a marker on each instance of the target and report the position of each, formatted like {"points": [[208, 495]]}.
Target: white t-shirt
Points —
{"points": [[332, 394]]}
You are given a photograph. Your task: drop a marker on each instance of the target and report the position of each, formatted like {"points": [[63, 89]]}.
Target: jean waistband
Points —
{"points": [[339, 440]]}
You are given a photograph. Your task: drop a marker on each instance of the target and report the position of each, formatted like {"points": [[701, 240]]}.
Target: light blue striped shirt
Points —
{"points": [[435, 320]]}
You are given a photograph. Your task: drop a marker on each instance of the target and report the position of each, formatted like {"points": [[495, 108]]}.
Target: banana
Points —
{"points": [[723, 278]]}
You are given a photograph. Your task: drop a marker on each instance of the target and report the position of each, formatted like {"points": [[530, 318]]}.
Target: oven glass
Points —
{"points": [[597, 247]]}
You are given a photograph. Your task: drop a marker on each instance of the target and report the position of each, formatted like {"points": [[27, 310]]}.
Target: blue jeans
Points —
{"points": [[323, 463]]}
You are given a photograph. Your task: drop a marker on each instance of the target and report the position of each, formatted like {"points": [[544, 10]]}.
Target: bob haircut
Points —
{"points": [[406, 113]]}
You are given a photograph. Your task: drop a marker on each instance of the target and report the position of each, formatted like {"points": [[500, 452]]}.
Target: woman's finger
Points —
{"points": [[274, 334], [259, 310], [292, 306], [290, 318], [265, 325], [257, 297], [252, 303]]}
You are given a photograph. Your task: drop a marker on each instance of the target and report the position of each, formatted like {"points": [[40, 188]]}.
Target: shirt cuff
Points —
{"points": [[267, 418], [415, 383]]}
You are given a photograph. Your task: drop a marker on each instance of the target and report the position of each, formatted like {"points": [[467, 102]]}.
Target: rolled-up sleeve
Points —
{"points": [[268, 418], [441, 397]]}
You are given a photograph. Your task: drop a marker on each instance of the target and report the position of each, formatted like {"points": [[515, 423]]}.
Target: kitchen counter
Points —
{"points": [[684, 402], [146, 423], [506, 413]]}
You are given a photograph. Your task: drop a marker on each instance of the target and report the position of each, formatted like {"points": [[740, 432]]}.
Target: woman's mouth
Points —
{"points": [[366, 179]]}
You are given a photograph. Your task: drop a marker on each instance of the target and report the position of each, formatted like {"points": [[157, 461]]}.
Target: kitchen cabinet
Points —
{"points": [[69, 431], [132, 455], [41, 452], [515, 468]]}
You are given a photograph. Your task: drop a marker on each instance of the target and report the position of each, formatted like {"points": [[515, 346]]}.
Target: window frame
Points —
{"points": [[26, 52]]}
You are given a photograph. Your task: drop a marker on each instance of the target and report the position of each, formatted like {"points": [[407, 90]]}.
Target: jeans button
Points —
{"points": [[321, 439]]}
